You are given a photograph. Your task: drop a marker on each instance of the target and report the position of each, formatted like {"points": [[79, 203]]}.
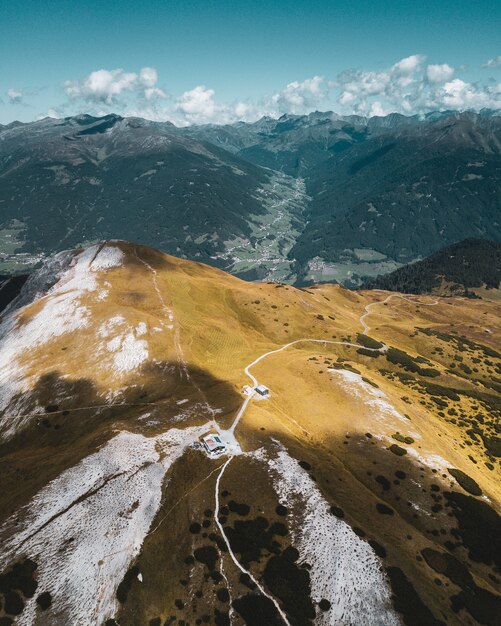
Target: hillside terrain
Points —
{"points": [[364, 489], [315, 198], [469, 267]]}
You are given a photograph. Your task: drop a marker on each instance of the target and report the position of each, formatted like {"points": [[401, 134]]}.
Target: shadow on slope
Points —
{"points": [[440, 546], [66, 420]]}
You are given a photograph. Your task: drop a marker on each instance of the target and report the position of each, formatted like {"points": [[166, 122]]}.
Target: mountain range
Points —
{"points": [[308, 198]]}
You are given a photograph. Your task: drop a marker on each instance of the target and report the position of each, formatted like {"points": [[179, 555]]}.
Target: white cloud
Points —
{"points": [[197, 105], [406, 88], [243, 110], [101, 86], [108, 86], [15, 96], [358, 87], [200, 105], [439, 73], [377, 109], [299, 97], [409, 65], [457, 94], [494, 62], [150, 93], [148, 76], [54, 112], [409, 86]]}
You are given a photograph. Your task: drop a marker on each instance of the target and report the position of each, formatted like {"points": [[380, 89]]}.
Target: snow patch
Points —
{"points": [[374, 398], [108, 257], [84, 528], [434, 461], [128, 352], [60, 312], [345, 570], [110, 326], [102, 294]]}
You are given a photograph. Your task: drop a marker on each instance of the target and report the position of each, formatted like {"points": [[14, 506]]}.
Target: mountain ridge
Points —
{"points": [[117, 359], [459, 269], [300, 199]]}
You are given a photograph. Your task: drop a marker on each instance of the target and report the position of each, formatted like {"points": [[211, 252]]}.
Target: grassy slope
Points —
{"points": [[225, 323]]}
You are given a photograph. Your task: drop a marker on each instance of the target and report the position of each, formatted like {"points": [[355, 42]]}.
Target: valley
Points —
{"points": [[299, 199], [250, 314], [362, 489], [265, 254]]}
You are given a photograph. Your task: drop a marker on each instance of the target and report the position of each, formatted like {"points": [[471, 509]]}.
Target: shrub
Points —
{"points": [[368, 342], [466, 482], [402, 438], [397, 450], [367, 352]]}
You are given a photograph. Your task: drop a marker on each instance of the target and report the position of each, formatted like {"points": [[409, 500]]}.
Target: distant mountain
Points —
{"points": [[466, 265], [296, 144], [77, 180], [319, 197], [396, 188], [406, 191]]}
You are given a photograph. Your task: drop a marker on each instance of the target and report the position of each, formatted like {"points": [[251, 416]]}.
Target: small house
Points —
{"points": [[262, 391], [213, 444]]}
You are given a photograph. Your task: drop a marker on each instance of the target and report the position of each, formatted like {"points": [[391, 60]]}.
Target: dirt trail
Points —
{"points": [[368, 308], [231, 553], [174, 325]]}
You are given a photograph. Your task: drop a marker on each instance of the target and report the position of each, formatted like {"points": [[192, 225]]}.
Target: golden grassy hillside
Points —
{"points": [[132, 355]]}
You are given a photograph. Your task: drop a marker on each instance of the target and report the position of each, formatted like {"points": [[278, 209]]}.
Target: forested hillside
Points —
{"points": [[465, 265]]}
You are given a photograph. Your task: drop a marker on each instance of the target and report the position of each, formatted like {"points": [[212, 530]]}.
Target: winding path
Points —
{"points": [[231, 553], [169, 313], [247, 401], [231, 432], [325, 341], [284, 347], [394, 295]]}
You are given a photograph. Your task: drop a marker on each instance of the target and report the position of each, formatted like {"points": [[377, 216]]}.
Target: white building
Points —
{"points": [[262, 391], [213, 444]]}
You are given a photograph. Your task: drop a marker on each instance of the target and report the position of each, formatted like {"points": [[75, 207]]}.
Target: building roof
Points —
{"points": [[213, 442]]}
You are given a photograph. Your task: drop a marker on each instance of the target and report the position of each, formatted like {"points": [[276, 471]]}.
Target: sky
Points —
{"points": [[194, 61]]}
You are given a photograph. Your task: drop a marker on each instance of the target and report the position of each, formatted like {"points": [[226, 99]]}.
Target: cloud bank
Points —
{"points": [[410, 86], [110, 86]]}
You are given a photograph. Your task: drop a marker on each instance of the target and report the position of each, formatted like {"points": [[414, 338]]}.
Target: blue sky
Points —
{"points": [[221, 61]]}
